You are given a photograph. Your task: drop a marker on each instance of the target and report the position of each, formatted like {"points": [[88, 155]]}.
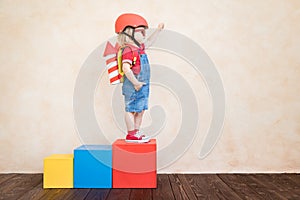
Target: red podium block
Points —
{"points": [[134, 165]]}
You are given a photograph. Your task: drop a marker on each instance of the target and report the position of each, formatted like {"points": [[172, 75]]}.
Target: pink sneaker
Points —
{"points": [[137, 138]]}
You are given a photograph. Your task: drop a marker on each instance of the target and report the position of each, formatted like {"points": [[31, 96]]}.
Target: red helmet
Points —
{"points": [[129, 19]]}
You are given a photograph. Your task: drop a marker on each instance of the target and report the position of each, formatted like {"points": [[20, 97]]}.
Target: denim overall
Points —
{"points": [[137, 101]]}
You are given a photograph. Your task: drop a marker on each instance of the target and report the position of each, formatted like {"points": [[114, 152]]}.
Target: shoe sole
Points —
{"points": [[138, 141]]}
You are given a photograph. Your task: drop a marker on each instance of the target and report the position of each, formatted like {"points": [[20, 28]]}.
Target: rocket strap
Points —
{"points": [[119, 57]]}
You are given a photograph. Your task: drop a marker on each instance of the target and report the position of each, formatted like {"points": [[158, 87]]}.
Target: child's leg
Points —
{"points": [[129, 120], [133, 122], [138, 117]]}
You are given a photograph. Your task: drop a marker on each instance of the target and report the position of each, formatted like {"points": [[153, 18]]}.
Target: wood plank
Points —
{"points": [[141, 194], [187, 187], [35, 193], [200, 186], [240, 187], [18, 185], [117, 194], [294, 177], [210, 186], [164, 189], [39, 192], [53, 193], [98, 194], [181, 188], [5, 177], [280, 184], [221, 188], [76, 194], [261, 189]]}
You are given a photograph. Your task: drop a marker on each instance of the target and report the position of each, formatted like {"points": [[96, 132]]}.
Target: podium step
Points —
{"points": [[92, 166], [134, 165], [58, 171]]}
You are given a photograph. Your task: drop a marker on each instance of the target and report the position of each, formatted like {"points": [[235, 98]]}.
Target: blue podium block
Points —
{"points": [[93, 166]]}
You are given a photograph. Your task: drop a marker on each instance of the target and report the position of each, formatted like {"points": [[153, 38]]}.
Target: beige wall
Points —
{"points": [[254, 44]]}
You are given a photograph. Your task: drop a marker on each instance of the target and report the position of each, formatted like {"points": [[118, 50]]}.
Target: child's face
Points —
{"points": [[139, 34]]}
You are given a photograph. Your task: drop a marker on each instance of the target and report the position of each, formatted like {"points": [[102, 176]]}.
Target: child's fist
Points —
{"points": [[161, 26]]}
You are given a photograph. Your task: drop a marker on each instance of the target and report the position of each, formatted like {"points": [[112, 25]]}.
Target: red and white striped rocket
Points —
{"points": [[110, 55]]}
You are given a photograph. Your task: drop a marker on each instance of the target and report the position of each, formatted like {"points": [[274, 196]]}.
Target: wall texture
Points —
{"points": [[254, 44]]}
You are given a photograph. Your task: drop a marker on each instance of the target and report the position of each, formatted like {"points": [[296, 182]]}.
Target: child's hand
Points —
{"points": [[138, 85], [161, 26]]}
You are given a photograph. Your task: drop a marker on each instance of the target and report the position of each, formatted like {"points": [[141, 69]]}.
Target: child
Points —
{"points": [[131, 35]]}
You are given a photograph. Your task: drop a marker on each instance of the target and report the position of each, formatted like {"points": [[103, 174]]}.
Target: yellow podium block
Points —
{"points": [[58, 171]]}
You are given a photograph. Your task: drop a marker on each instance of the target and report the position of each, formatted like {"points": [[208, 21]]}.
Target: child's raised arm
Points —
{"points": [[151, 39]]}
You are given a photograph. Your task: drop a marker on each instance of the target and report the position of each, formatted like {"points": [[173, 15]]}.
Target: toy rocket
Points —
{"points": [[110, 55]]}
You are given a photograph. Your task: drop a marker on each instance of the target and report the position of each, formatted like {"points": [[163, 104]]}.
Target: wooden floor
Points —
{"points": [[171, 186]]}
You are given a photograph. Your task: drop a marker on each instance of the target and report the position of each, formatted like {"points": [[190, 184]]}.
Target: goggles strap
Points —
{"points": [[132, 37]]}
